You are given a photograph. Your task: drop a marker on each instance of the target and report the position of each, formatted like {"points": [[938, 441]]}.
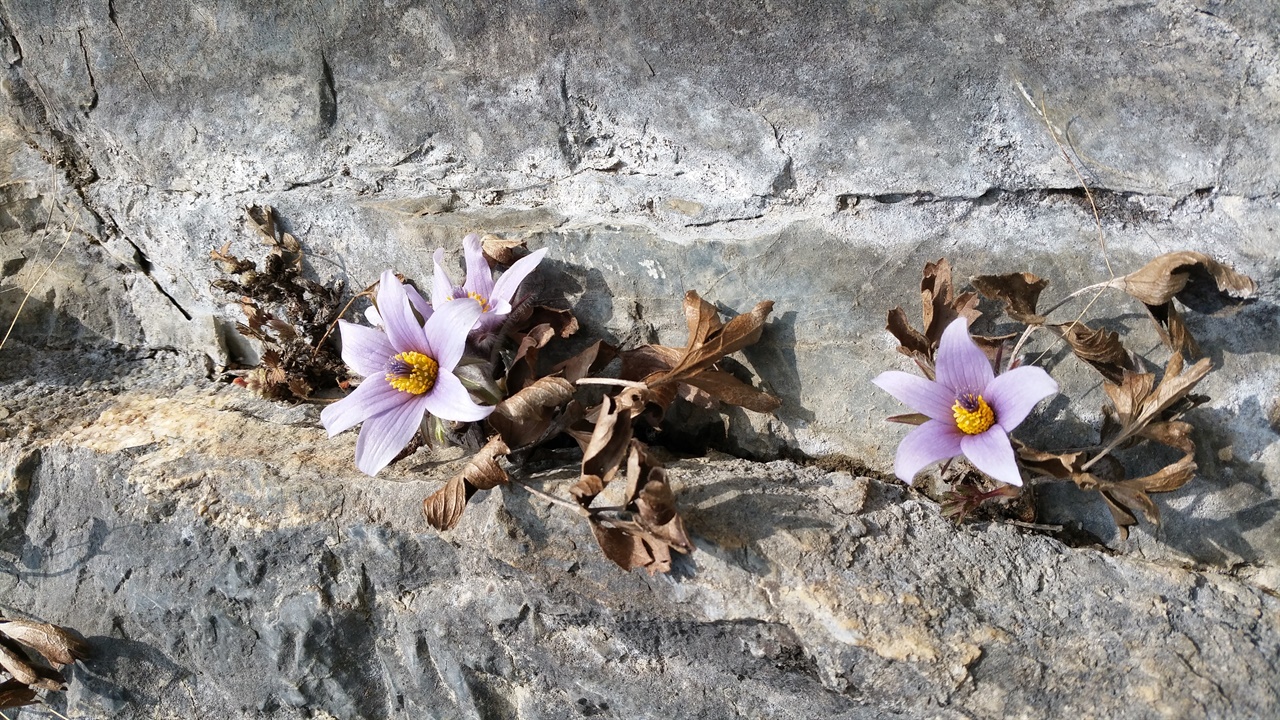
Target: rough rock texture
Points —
{"points": [[221, 556], [813, 153]]}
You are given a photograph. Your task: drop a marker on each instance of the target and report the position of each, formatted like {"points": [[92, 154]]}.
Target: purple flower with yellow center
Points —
{"points": [[971, 410], [408, 370], [494, 296]]}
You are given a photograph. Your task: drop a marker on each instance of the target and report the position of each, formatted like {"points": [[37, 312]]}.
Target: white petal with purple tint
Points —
{"points": [[1013, 395], [366, 350], [505, 288], [927, 444], [403, 330], [383, 436], [372, 397], [441, 285], [449, 400], [992, 453], [919, 394], [961, 365], [479, 275], [447, 330]]}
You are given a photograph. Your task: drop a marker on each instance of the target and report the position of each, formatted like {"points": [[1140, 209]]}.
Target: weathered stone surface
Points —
{"points": [[221, 553], [810, 153]]}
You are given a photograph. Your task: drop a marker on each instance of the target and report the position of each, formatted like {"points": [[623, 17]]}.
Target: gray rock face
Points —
{"points": [[221, 553], [813, 154]]}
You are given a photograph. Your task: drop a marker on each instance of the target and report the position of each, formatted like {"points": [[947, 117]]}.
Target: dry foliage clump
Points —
{"points": [[32, 655], [289, 314], [1145, 410], [638, 526]]}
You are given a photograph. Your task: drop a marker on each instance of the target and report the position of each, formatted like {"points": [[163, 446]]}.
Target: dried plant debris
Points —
{"points": [[290, 315], [1143, 415], [33, 655]]}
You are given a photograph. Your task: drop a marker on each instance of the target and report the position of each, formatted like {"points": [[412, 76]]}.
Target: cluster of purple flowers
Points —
{"points": [[408, 364]]}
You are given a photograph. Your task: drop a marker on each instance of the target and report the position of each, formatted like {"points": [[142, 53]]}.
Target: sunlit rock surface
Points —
{"points": [[812, 154]]}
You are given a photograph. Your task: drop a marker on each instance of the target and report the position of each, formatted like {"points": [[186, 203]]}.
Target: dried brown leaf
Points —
{"points": [[1187, 276], [1099, 348], [940, 303], [624, 549], [586, 363], [500, 250], [1173, 330], [444, 507], [605, 451], [656, 503], [1019, 292], [58, 645], [1058, 465], [524, 418], [16, 663], [727, 388], [1174, 433], [16, 694], [909, 418]]}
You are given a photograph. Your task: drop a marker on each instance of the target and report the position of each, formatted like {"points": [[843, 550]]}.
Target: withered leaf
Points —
{"points": [[1019, 292], [626, 550], [709, 340], [656, 503], [605, 451], [525, 418], [909, 418], [16, 694], [444, 507], [1058, 465], [1138, 403], [940, 303], [57, 644], [727, 388], [1192, 277], [1099, 348], [589, 361], [499, 250], [940, 306], [1173, 330], [15, 662]]}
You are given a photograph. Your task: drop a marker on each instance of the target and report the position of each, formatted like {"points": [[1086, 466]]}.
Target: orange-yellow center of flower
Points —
{"points": [[412, 372], [484, 302], [973, 415]]}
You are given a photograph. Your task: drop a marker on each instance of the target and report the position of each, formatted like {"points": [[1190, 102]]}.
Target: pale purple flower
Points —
{"points": [[971, 410], [408, 370], [494, 296]]}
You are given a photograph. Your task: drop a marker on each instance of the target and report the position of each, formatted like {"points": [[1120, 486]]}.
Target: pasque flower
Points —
{"points": [[408, 370], [494, 296], [971, 409]]}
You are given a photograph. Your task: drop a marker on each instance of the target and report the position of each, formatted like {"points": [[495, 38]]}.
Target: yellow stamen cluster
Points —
{"points": [[484, 302], [975, 421], [413, 372]]}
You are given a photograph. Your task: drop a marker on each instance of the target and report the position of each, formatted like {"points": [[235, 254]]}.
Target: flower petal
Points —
{"points": [[991, 453], [373, 397], [447, 331], [933, 441], [479, 276], [418, 302], [402, 327], [441, 285], [449, 400], [371, 314], [365, 349], [919, 394], [962, 366], [385, 435], [1014, 394], [505, 288]]}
